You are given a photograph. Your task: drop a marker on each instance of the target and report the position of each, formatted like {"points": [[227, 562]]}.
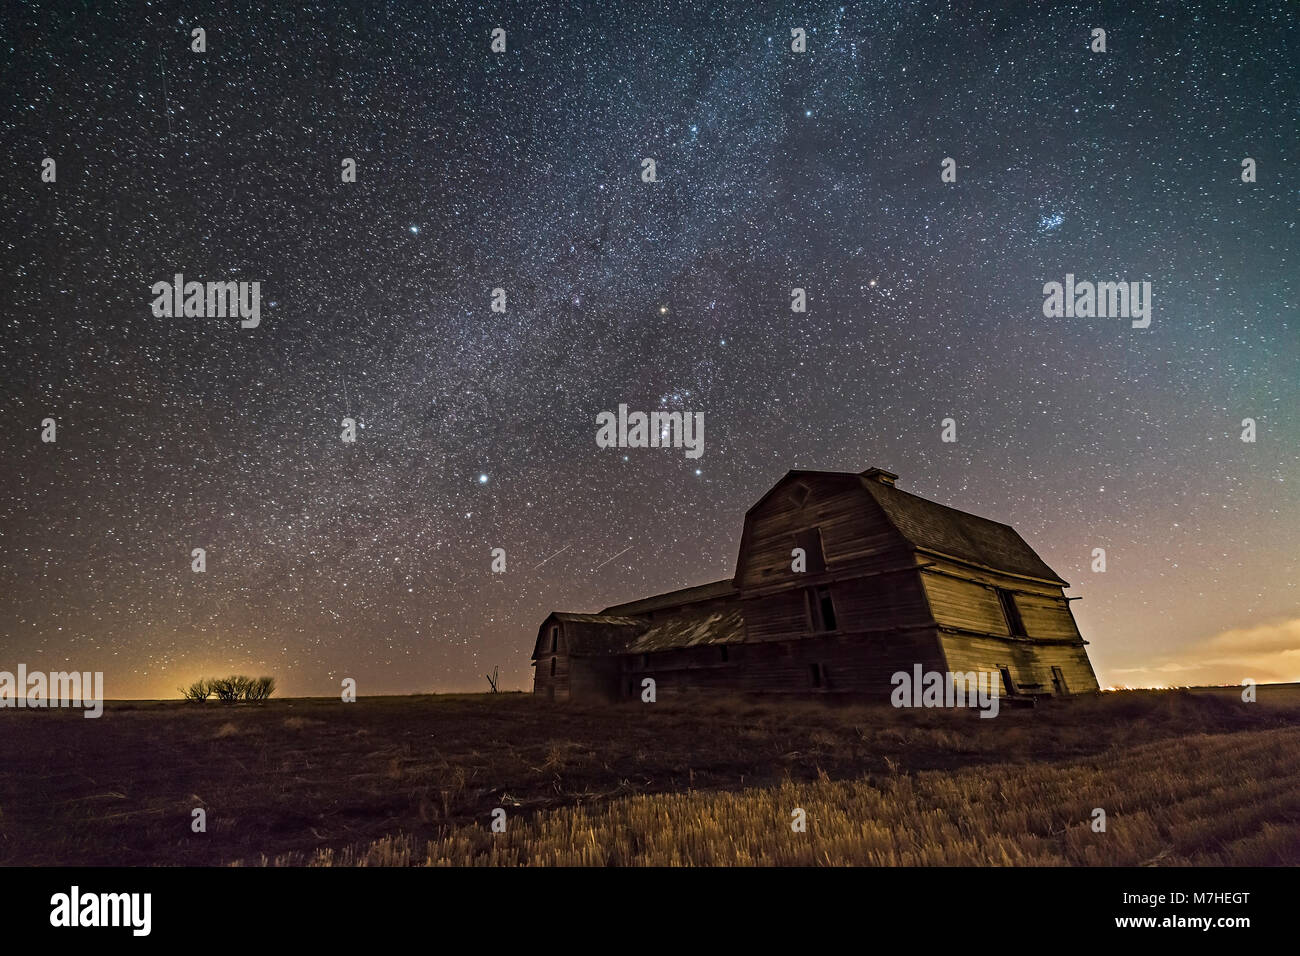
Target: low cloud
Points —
{"points": [[1267, 653]]}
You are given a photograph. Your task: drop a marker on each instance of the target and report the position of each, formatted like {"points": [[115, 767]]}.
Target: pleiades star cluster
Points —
{"points": [[523, 170]]}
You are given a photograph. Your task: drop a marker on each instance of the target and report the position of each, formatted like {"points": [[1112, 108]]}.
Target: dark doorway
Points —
{"points": [[811, 542], [1058, 682], [1015, 625], [821, 609]]}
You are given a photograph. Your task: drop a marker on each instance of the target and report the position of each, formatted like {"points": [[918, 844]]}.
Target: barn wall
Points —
{"points": [[1047, 617], [1030, 663], [970, 602], [594, 678], [858, 666], [544, 685], [869, 603], [855, 534]]}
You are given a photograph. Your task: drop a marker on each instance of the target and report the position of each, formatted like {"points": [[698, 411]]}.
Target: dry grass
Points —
{"points": [[1224, 800], [291, 778]]}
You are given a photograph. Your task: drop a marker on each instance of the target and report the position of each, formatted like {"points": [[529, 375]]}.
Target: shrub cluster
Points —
{"points": [[230, 689]]}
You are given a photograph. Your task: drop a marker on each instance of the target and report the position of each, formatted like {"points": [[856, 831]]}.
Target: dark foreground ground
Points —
{"points": [[298, 780]]}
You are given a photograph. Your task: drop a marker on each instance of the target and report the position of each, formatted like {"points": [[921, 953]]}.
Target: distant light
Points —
{"points": [[698, 472], [482, 479], [807, 112], [663, 310], [415, 230]]}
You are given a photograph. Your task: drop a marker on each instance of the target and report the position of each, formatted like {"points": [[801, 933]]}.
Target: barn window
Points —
{"points": [[555, 639], [1058, 681], [817, 674], [552, 666], [1012, 613], [1007, 682], [811, 542], [799, 494], [821, 609]]}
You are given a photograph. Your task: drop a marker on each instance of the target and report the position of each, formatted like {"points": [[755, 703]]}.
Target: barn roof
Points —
{"points": [[724, 625], [678, 598], [596, 635], [930, 526], [934, 527], [590, 635]]}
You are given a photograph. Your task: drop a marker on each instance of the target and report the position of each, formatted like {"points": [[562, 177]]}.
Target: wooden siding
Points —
{"points": [[964, 597], [855, 534], [1030, 662], [542, 647], [1048, 618], [852, 666], [863, 604], [959, 603], [546, 685]]}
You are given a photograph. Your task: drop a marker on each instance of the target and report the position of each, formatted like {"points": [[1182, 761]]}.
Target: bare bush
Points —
{"points": [[260, 688], [201, 689], [231, 689]]}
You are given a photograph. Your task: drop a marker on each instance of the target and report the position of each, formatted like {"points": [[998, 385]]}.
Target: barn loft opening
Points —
{"points": [[821, 609], [810, 540], [1012, 613]]}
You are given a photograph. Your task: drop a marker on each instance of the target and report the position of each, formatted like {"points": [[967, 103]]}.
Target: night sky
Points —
{"points": [[522, 170]]}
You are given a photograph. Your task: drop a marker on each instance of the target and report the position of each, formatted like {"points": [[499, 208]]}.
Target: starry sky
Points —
{"points": [[522, 170]]}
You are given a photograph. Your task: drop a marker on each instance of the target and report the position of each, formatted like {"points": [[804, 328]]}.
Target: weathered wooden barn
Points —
{"points": [[891, 580]]}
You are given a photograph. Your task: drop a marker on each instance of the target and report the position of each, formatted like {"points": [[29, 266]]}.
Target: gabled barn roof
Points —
{"points": [[678, 598], [934, 527], [930, 526], [722, 626]]}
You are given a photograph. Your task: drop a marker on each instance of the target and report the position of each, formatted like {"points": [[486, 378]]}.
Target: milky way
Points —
{"points": [[521, 171]]}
